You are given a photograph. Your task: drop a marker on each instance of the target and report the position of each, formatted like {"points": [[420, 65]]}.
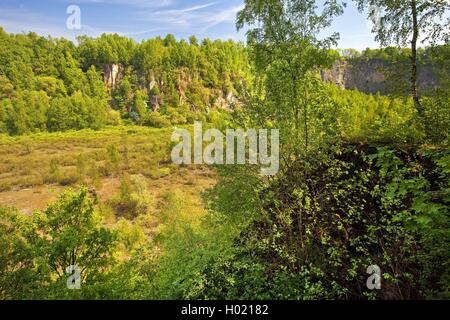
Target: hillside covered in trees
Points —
{"points": [[51, 84]]}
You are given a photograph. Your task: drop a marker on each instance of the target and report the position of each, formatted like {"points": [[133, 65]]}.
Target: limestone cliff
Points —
{"points": [[377, 75], [112, 74]]}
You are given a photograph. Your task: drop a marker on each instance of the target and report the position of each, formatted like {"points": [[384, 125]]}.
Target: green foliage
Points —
{"points": [[436, 118], [140, 107], [123, 96], [394, 64], [332, 215], [283, 41], [6, 87], [374, 117], [26, 112], [188, 241], [51, 86], [357, 186], [335, 208], [68, 232], [108, 48], [157, 75], [404, 23], [134, 198], [396, 25], [76, 112], [44, 88]]}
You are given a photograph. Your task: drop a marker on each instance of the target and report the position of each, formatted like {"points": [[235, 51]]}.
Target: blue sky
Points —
{"points": [[141, 19]]}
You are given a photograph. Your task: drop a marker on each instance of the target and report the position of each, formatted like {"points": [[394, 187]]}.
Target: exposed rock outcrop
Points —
{"points": [[187, 84], [336, 74], [376, 76], [226, 102], [112, 74]]}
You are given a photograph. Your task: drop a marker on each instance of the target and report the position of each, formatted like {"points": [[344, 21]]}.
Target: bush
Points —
{"points": [[113, 118], [129, 234], [76, 112], [134, 199], [436, 118], [41, 247], [332, 215], [156, 120]]}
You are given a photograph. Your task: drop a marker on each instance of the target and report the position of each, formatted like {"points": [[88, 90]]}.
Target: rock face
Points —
{"points": [[155, 100], [336, 74], [373, 76], [226, 103], [112, 74], [157, 89]]}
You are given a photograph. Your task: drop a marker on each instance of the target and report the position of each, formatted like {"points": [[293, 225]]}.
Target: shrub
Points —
{"points": [[436, 118], [41, 247], [332, 215], [156, 120], [134, 199]]}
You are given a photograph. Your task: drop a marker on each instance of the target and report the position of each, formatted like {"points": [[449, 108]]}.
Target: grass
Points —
{"points": [[35, 168], [74, 157]]}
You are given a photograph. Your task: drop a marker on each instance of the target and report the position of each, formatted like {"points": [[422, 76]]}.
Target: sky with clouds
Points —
{"points": [[141, 19]]}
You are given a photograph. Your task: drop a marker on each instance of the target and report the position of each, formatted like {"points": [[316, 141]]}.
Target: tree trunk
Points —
{"points": [[414, 40]]}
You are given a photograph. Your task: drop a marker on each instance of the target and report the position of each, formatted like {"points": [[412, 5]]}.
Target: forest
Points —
{"points": [[86, 177], [50, 85]]}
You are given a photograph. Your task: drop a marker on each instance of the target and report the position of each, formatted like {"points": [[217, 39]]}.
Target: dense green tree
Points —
{"points": [[283, 38], [6, 87], [52, 86], [169, 40], [26, 112], [140, 106], [44, 245], [21, 75], [58, 117], [97, 88], [77, 112], [74, 78], [193, 40]]}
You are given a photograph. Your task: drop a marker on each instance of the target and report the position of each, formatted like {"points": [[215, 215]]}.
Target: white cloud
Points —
{"points": [[192, 17], [193, 8], [228, 15], [137, 3]]}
